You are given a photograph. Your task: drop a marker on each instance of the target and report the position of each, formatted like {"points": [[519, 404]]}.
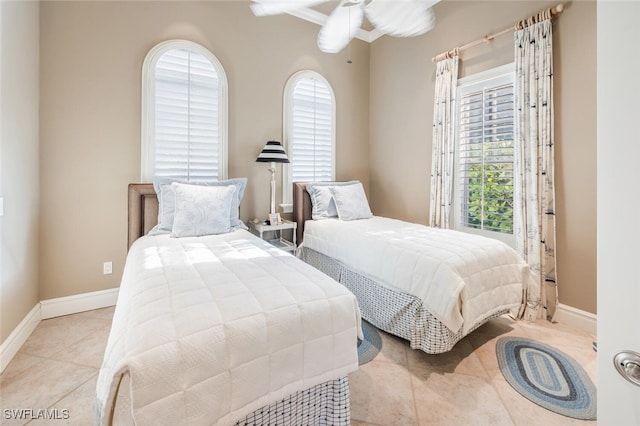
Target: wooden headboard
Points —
{"points": [[143, 210], [301, 208]]}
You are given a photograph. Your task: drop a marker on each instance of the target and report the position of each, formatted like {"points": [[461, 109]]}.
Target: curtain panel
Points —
{"points": [[443, 144], [534, 189]]}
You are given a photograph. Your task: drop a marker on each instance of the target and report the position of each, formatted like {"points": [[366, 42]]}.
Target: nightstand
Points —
{"points": [[260, 228]]}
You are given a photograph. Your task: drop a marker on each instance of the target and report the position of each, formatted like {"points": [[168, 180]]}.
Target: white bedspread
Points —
{"points": [[459, 277], [207, 330]]}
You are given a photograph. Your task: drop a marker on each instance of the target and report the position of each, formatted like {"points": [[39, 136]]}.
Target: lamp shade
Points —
{"points": [[273, 152]]}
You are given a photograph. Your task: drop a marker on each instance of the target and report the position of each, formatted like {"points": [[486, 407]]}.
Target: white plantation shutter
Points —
{"points": [[186, 132], [485, 154], [312, 132], [309, 131]]}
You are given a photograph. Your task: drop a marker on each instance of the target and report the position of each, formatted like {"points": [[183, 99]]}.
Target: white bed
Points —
{"points": [[430, 286], [225, 329]]}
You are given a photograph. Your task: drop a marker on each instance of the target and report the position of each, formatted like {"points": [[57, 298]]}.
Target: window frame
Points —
{"points": [[148, 106], [287, 178], [502, 74]]}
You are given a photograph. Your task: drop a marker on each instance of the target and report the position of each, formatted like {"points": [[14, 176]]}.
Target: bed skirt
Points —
{"points": [[393, 311], [325, 404]]}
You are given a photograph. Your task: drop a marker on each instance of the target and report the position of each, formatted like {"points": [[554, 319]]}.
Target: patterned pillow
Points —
{"points": [[351, 202], [322, 204], [167, 203], [202, 210]]}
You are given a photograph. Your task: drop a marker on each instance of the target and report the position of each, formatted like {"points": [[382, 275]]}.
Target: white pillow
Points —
{"points": [[351, 202], [322, 204], [167, 203], [202, 210]]}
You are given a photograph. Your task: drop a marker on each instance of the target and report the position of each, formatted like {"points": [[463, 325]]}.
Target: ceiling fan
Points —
{"points": [[399, 18]]}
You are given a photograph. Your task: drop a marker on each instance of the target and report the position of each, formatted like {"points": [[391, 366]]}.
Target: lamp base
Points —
{"points": [[272, 169]]}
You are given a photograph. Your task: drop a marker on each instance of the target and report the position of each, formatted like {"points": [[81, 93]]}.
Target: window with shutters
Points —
{"points": [[184, 113], [485, 126], [309, 131]]}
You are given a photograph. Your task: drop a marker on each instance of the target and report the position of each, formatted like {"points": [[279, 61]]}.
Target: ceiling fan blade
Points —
{"points": [[340, 28], [275, 7], [401, 18]]}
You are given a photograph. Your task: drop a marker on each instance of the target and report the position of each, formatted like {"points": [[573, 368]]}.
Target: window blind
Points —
{"points": [[485, 169], [186, 117], [312, 132]]}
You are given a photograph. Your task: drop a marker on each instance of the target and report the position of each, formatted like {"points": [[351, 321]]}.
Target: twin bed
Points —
{"points": [[226, 329], [429, 286]]}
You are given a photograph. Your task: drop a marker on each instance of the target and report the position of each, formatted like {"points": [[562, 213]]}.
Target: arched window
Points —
{"points": [[309, 131], [184, 113]]}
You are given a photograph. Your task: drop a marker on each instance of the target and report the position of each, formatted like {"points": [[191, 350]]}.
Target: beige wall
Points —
{"points": [[91, 62], [91, 57], [401, 111], [19, 185]]}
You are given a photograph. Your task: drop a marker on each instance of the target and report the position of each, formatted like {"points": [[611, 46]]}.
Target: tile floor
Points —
{"points": [[58, 366]]}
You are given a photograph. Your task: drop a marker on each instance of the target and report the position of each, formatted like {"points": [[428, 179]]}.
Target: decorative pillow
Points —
{"points": [[351, 202], [202, 210], [322, 204], [167, 203]]}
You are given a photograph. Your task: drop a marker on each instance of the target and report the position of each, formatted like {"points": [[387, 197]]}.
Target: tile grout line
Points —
{"points": [[69, 393], [432, 370], [50, 357], [495, 389], [42, 358], [502, 401], [24, 369], [411, 382], [413, 396]]}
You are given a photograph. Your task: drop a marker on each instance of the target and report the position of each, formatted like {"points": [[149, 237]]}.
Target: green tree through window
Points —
{"points": [[485, 155], [490, 198]]}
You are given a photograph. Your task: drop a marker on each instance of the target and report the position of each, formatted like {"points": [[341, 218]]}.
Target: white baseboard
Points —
{"points": [[582, 320], [60, 306], [49, 309], [12, 344]]}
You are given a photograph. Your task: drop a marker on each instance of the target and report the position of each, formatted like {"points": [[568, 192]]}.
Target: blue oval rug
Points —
{"points": [[547, 377], [371, 345]]}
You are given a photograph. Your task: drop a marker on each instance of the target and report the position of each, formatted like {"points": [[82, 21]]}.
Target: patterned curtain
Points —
{"points": [[442, 157], [534, 192]]}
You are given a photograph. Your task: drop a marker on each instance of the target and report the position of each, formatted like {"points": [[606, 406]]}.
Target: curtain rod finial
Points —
{"points": [[559, 8]]}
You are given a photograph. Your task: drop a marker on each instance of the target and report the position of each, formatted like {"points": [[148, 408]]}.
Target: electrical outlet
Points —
{"points": [[107, 268]]}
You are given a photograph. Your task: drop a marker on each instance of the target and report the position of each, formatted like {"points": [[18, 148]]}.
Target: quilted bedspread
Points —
{"points": [[207, 330], [460, 277]]}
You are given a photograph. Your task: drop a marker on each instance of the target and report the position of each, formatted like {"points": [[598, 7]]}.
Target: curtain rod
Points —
{"points": [[523, 23]]}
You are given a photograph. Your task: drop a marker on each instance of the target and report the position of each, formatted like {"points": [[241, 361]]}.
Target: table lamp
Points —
{"points": [[273, 153]]}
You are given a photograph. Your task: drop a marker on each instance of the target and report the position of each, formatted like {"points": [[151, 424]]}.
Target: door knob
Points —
{"points": [[628, 365]]}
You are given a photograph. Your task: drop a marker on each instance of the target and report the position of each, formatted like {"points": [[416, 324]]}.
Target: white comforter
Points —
{"points": [[460, 277], [209, 329]]}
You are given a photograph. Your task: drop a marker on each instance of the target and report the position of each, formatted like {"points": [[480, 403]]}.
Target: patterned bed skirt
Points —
{"points": [[393, 311], [325, 404]]}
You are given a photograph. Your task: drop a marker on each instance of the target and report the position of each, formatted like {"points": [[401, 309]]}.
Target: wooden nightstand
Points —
{"points": [[260, 228]]}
